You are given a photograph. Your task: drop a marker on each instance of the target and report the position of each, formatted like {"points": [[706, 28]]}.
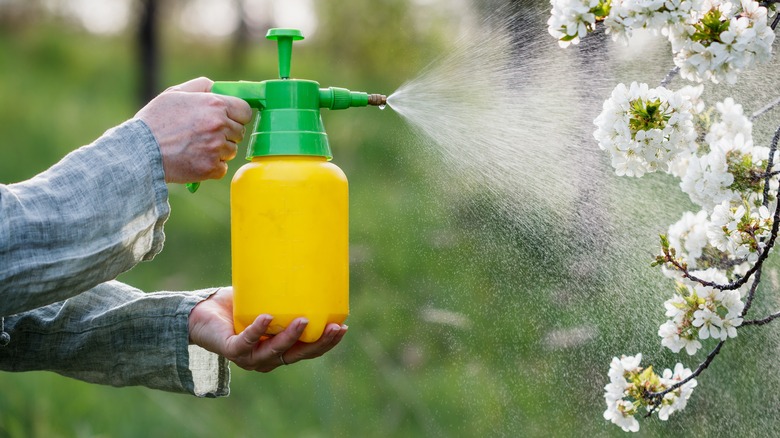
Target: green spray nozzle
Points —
{"points": [[341, 98], [289, 120]]}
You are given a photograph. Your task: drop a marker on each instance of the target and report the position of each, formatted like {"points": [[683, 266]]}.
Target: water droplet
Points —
{"points": [[382, 106]]}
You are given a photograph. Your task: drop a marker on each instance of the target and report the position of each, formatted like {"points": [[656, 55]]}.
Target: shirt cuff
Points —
{"points": [[152, 150], [210, 373]]}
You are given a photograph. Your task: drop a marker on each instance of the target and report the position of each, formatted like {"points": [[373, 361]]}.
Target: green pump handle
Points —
{"points": [[284, 39], [288, 121]]}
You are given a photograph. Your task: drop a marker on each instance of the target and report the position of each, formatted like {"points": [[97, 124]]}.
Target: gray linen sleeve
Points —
{"points": [[68, 231], [117, 335], [85, 220]]}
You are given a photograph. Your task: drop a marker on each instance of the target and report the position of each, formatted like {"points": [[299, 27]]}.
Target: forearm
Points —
{"points": [[117, 335], [90, 217]]}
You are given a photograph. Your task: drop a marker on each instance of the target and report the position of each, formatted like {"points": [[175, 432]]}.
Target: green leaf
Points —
{"points": [[567, 37]]}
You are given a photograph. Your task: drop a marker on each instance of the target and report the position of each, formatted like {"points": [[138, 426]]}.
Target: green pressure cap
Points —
{"points": [[284, 38], [289, 121]]}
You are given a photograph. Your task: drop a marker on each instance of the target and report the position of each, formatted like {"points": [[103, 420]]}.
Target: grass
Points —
{"points": [[416, 248]]}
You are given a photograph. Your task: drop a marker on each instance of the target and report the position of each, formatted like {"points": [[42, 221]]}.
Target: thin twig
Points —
{"points": [[658, 396], [751, 294], [769, 164], [762, 321], [669, 76], [765, 175], [768, 106]]}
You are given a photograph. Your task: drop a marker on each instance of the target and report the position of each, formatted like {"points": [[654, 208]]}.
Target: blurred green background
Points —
{"points": [[450, 326]]}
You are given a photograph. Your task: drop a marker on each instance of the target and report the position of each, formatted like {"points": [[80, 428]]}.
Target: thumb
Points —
{"points": [[197, 85]]}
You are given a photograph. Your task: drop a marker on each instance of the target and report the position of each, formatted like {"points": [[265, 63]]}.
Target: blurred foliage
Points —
{"points": [[448, 329]]}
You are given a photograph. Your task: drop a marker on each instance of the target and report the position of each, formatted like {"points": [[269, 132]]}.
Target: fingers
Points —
{"points": [[220, 136], [201, 84], [342, 330], [252, 334], [237, 109], [330, 338], [252, 351], [282, 342], [267, 354], [228, 120], [234, 131]]}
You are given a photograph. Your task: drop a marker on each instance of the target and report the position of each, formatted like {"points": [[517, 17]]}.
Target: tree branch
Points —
{"points": [[751, 294], [770, 163], [658, 396], [743, 280], [762, 321], [765, 175], [669, 76]]}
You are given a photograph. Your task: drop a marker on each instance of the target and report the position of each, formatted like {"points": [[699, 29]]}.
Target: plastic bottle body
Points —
{"points": [[290, 243]]}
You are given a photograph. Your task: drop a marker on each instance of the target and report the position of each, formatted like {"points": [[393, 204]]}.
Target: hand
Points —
{"points": [[198, 131], [211, 327]]}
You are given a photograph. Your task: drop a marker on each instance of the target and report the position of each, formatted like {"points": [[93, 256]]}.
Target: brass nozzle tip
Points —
{"points": [[377, 99]]}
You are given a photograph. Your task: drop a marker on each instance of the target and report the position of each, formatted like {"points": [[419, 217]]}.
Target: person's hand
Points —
{"points": [[197, 131], [211, 327]]}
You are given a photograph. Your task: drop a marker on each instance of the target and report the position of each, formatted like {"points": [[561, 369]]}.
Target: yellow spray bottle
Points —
{"points": [[289, 205]]}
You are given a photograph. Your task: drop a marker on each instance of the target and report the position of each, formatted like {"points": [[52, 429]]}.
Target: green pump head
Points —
{"points": [[289, 120]]}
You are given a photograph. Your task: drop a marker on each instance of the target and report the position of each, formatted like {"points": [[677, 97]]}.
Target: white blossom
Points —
{"points": [[740, 231], [676, 400], [691, 345], [697, 312], [659, 16], [630, 384], [688, 236], [645, 129], [673, 338], [723, 223], [700, 52], [570, 20], [626, 364], [615, 390], [707, 180], [675, 308], [670, 337], [732, 123], [728, 171], [729, 327], [746, 42], [620, 410], [709, 323], [622, 414]]}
